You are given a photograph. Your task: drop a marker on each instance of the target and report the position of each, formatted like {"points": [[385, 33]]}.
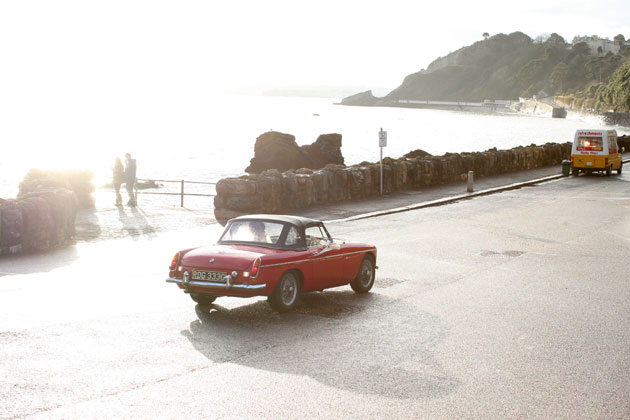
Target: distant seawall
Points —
{"points": [[275, 192], [485, 106], [617, 118]]}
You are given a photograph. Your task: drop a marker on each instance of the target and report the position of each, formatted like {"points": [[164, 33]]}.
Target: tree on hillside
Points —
{"points": [[619, 39], [581, 48], [541, 38], [556, 40], [617, 93], [559, 73], [603, 68], [485, 35]]}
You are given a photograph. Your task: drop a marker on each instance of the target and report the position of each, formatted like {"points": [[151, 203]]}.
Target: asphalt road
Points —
{"points": [[514, 305]]}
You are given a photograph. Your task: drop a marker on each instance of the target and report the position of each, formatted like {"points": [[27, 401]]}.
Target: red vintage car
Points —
{"points": [[274, 256]]}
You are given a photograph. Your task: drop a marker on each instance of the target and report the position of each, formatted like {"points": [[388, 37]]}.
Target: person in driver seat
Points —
{"points": [[258, 232]]}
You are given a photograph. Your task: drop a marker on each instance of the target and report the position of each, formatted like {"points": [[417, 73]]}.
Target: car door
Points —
{"points": [[327, 263]]}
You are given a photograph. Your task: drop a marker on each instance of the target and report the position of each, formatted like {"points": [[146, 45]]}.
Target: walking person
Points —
{"points": [[130, 178], [118, 177]]}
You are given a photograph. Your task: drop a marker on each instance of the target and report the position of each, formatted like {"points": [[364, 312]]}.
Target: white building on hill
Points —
{"points": [[599, 46]]}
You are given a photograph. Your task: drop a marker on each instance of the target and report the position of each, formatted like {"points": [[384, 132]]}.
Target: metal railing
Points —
{"points": [[181, 192]]}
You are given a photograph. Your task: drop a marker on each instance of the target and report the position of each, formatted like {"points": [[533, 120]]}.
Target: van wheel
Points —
{"points": [[609, 171], [619, 170], [575, 171]]}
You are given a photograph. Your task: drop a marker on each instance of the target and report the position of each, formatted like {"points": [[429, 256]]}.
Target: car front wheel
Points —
{"points": [[364, 280], [285, 297], [203, 299]]}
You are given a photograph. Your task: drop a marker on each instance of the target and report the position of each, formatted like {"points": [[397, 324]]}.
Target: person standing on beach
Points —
{"points": [[130, 178], [118, 177]]}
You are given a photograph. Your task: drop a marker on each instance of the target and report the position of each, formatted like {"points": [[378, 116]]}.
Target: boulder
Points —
{"points": [[11, 227], [418, 153], [274, 150], [63, 210], [38, 224], [80, 182], [325, 150]]}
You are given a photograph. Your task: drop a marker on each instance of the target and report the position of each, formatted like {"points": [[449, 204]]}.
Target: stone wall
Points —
{"points": [[37, 221], [43, 215], [274, 192], [617, 118]]}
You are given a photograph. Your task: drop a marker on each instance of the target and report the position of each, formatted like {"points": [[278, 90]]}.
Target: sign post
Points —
{"points": [[382, 142]]}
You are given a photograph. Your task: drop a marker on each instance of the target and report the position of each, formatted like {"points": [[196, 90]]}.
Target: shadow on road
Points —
{"points": [[87, 227], [38, 262], [366, 344], [134, 223]]}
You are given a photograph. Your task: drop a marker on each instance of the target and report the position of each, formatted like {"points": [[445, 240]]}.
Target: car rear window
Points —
{"points": [[594, 144], [253, 231]]}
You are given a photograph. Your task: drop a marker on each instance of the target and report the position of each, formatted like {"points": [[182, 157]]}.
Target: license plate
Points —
{"points": [[208, 276], [589, 163]]}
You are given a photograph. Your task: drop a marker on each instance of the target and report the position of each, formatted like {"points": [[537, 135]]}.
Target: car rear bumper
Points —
{"points": [[253, 288]]}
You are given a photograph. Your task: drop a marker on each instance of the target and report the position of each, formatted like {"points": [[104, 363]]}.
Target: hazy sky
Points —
{"points": [[51, 46]]}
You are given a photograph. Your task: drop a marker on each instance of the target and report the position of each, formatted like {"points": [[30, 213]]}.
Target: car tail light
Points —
{"points": [[606, 162], [255, 268], [174, 261]]}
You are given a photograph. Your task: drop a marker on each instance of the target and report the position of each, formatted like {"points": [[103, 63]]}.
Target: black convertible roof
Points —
{"points": [[295, 220]]}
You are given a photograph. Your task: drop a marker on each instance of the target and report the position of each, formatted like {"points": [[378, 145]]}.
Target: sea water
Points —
{"points": [[216, 139]]}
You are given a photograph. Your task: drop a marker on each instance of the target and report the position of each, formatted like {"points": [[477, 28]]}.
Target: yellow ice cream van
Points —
{"points": [[595, 151]]}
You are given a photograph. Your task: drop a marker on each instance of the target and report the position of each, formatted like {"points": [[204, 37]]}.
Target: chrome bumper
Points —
{"points": [[215, 285]]}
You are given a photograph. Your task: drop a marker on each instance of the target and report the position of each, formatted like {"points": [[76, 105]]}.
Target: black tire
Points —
{"points": [[364, 280], [575, 171], [619, 170], [203, 299], [609, 170], [286, 294]]}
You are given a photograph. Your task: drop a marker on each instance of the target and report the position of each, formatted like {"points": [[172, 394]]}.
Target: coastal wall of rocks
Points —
{"points": [[43, 215], [274, 192], [617, 118], [80, 182], [37, 221]]}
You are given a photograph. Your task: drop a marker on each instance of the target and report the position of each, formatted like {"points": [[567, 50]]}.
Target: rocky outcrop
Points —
{"points": [[418, 153], [617, 118], [274, 150], [80, 182], [278, 192], [361, 99], [37, 221]]}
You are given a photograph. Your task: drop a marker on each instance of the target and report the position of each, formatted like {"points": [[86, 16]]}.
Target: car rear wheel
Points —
{"points": [[619, 170], [608, 171], [203, 299], [364, 280], [575, 171], [285, 297]]}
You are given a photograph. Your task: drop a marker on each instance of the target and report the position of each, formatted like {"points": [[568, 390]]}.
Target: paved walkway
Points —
{"points": [[163, 213]]}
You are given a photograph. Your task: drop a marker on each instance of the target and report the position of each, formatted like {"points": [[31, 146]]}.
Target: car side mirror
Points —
{"points": [[623, 150]]}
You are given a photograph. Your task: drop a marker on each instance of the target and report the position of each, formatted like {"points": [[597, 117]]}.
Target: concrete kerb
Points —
{"points": [[453, 199]]}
